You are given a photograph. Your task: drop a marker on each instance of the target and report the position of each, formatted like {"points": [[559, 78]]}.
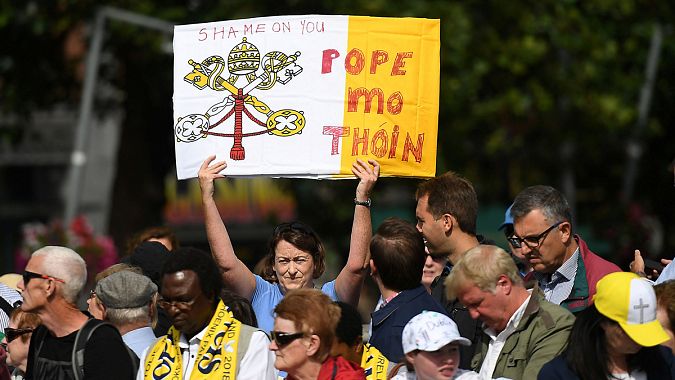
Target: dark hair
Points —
{"points": [[586, 352], [160, 232], [397, 249], [550, 201], [200, 262], [665, 298], [302, 237], [241, 307], [350, 326], [451, 194]]}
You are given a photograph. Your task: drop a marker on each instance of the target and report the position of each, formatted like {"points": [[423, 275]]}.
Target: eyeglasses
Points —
{"points": [[12, 334], [513, 240], [532, 242], [283, 338], [27, 275], [181, 305]]}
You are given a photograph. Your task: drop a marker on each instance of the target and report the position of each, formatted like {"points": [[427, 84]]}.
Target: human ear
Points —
{"points": [[314, 344], [565, 232], [448, 222], [410, 358]]}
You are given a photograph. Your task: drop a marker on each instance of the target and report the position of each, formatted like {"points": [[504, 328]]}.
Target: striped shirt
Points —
{"points": [[11, 296]]}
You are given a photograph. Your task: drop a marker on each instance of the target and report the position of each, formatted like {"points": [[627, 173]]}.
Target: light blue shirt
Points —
{"points": [[140, 339], [267, 295], [668, 273]]}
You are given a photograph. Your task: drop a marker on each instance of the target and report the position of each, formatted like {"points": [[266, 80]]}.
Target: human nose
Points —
{"points": [[429, 261], [525, 249]]}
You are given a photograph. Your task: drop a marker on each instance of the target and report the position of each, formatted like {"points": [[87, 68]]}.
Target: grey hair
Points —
{"points": [[67, 265], [121, 317], [548, 200], [482, 265]]}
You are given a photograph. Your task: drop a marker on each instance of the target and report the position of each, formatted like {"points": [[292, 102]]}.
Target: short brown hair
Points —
{"points": [[452, 194], [159, 232], [25, 320], [665, 297], [312, 312], [397, 249], [302, 237]]}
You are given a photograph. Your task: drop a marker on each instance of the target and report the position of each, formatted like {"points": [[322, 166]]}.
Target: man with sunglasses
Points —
{"points": [[51, 284], [562, 263], [205, 340]]}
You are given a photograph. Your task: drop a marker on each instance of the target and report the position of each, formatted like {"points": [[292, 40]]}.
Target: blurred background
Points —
{"points": [[574, 94]]}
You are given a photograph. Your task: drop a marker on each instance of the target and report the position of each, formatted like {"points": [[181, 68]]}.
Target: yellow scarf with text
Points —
{"points": [[374, 363], [216, 357]]}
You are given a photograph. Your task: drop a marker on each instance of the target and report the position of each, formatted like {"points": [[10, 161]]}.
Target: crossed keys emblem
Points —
{"points": [[242, 61]]}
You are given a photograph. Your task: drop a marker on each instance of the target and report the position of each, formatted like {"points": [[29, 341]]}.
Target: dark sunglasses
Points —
{"points": [[282, 338], [11, 334], [27, 275]]}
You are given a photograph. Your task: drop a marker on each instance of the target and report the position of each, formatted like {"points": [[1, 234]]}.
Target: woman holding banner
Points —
{"points": [[295, 256]]}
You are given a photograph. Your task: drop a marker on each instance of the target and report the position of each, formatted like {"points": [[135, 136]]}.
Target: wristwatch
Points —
{"points": [[365, 203]]}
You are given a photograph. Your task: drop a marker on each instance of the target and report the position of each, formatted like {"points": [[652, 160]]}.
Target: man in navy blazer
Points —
{"points": [[397, 259]]}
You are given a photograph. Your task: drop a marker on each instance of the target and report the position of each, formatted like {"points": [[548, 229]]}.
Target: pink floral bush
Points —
{"points": [[99, 252]]}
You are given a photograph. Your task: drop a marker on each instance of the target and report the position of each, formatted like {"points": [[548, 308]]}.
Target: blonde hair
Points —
{"points": [[482, 265]]}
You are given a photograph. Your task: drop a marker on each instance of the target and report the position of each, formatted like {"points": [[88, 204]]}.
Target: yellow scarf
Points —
{"points": [[374, 363], [216, 357]]}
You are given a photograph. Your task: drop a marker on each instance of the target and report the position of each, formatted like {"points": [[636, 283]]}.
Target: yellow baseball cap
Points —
{"points": [[629, 300]]}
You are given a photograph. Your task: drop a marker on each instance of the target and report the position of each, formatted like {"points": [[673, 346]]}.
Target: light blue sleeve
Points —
{"points": [[265, 298], [668, 273], [329, 290]]}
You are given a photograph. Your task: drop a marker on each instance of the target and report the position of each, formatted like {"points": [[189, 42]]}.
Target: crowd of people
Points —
{"points": [[452, 304]]}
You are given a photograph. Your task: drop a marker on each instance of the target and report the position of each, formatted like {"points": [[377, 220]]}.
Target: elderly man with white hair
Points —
{"points": [[51, 283]]}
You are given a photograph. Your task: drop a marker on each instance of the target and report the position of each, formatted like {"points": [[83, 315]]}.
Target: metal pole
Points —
{"points": [[634, 146], [78, 156]]}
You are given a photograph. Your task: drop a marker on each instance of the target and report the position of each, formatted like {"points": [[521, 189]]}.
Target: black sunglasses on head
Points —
{"points": [[11, 334], [283, 338]]}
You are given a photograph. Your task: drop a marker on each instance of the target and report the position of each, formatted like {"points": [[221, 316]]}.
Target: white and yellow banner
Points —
{"points": [[305, 96]]}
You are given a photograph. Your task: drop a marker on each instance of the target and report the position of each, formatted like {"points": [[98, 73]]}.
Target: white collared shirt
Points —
{"points": [[561, 283], [257, 363], [497, 341]]}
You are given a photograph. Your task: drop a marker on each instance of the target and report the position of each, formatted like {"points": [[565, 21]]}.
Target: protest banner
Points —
{"points": [[305, 96]]}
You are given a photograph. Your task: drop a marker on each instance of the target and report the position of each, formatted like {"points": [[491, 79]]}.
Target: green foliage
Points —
{"points": [[519, 79]]}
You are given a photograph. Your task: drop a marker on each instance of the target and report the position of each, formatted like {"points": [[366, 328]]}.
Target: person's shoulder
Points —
{"points": [[593, 262], [103, 335], [552, 315], [556, 369]]}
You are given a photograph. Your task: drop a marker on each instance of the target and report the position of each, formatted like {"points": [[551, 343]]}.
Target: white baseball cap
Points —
{"points": [[429, 331]]}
